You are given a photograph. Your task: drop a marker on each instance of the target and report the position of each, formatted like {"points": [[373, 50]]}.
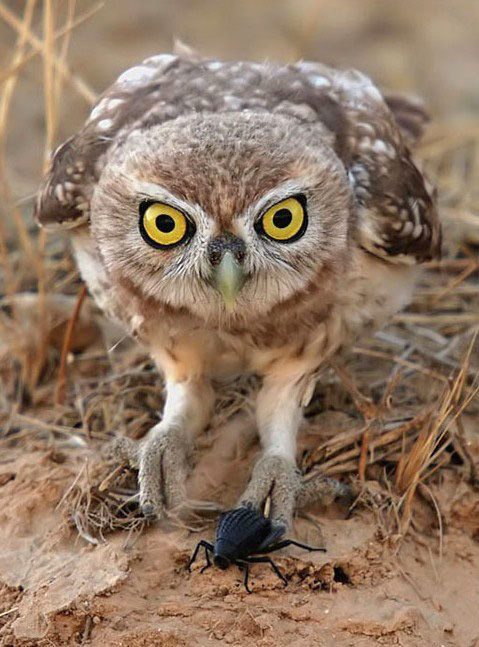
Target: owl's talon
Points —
{"points": [[149, 510], [279, 479], [323, 490], [125, 451], [161, 462]]}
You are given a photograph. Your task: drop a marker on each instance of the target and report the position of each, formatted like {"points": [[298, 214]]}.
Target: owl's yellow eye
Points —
{"points": [[163, 226], [285, 221]]}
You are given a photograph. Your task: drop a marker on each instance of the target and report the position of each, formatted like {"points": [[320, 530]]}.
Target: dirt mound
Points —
{"points": [[133, 590]]}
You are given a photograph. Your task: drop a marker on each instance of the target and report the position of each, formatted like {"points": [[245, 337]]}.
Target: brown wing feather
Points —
{"points": [[64, 198], [410, 114], [397, 217]]}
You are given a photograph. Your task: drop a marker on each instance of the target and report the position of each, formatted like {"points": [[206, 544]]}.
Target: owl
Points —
{"points": [[242, 218]]}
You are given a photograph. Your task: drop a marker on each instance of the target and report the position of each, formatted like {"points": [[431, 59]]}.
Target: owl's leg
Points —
{"points": [[161, 457], [275, 473]]}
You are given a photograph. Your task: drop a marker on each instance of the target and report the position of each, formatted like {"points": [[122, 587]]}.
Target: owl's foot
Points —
{"points": [[125, 451], [323, 490], [276, 478], [161, 462]]}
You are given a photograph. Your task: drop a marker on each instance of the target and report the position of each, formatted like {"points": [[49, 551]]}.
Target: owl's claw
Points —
{"points": [[162, 472], [161, 462], [125, 451], [323, 490], [279, 479]]}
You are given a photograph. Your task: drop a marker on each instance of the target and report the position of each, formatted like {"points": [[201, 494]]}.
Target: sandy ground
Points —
{"points": [[133, 590]]}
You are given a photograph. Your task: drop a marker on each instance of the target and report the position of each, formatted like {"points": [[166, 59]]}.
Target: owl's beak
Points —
{"points": [[228, 279]]}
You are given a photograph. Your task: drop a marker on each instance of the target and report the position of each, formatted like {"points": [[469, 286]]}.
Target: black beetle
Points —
{"points": [[242, 534]]}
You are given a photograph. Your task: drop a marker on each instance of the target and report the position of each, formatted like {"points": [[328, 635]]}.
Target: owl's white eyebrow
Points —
{"points": [[152, 191], [279, 193]]}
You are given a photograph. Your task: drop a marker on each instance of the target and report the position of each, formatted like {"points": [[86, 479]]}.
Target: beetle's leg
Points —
{"points": [[268, 560], [206, 545], [244, 566], [291, 542]]}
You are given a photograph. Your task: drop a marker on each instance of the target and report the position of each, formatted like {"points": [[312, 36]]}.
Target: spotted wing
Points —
{"points": [[410, 115], [64, 198], [396, 214]]}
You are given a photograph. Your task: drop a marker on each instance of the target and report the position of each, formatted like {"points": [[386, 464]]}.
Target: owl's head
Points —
{"points": [[224, 215]]}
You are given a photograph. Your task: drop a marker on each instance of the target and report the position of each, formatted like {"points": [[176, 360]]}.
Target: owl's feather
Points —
{"points": [[396, 216], [410, 114]]}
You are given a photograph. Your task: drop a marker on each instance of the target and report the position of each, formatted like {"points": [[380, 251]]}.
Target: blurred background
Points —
{"points": [[427, 47]]}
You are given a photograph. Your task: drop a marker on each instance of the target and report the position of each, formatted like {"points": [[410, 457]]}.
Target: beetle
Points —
{"points": [[242, 537]]}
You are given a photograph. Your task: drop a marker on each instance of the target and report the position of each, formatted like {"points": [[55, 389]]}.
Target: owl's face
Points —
{"points": [[225, 216]]}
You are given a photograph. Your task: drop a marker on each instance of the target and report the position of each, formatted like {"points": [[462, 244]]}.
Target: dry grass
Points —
{"points": [[413, 384]]}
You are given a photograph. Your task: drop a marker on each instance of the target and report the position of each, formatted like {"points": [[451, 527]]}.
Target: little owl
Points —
{"points": [[242, 218]]}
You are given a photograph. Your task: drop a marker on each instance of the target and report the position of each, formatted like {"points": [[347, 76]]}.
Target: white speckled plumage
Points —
{"points": [[222, 142]]}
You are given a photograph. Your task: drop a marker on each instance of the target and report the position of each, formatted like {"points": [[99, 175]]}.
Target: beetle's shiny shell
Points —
{"points": [[243, 531]]}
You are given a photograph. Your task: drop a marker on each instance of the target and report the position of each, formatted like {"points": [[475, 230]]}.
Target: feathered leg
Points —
{"points": [[161, 457], [276, 474]]}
